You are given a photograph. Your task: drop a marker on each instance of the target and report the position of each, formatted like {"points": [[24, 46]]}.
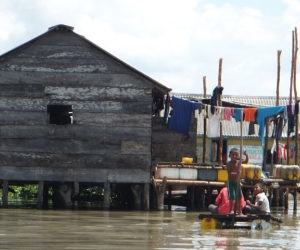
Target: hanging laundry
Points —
{"points": [[251, 130], [263, 113], [277, 127], [182, 115], [227, 114], [273, 149], [200, 107], [237, 115], [167, 107], [249, 114], [213, 128], [291, 119]]}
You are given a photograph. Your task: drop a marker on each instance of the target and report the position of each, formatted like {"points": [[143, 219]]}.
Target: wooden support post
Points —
{"points": [[169, 198], [192, 197], [266, 144], [296, 95], [106, 203], [275, 201], [204, 124], [137, 190], [295, 199], [146, 202], [76, 187], [45, 195], [5, 194], [39, 204], [197, 197], [277, 104], [281, 198], [270, 196], [220, 161], [286, 199], [160, 190]]}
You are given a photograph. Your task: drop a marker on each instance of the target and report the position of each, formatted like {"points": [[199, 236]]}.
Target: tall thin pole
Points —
{"points": [[239, 172], [277, 99], [204, 123], [220, 104], [291, 97], [296, 96]]}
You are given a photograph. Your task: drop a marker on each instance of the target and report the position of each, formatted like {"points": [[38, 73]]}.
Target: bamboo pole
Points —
{"points": [[220, 104], [277, 99], [204, 124], [296, 96], [239, 172], [295, 63], [290, 100]]}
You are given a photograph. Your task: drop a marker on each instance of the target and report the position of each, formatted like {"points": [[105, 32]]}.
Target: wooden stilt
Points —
{"points": [[169, 198], [204, 124], [270, 196], [220, 151], [286, 200], [192, 197], [39, 204], [5, 194], [295, 199], [281, 198], [106, 203], [146, 202], [160, 189], [275, 201], [45, 195]]}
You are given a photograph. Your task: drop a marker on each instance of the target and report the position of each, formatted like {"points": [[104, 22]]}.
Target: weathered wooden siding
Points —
{"points": [[170, 146], [110, 139]]}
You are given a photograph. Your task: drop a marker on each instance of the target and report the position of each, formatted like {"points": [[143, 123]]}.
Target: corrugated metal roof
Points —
{"points": [[232, 128], [258, 101]]}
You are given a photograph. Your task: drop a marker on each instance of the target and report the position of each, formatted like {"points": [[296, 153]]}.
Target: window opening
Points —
{"points": [[60, 114]]}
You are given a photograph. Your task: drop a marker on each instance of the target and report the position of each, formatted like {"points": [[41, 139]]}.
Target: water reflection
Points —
{"points": [[78, 229]]}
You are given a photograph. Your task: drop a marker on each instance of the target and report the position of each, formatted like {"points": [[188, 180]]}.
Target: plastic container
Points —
{"points": [[222, 175], [210, 223], [188, 174], [293, 172], [276, 171], [243, 170], [253, 172], [282, 173], [170, 173], [207, 174], [186, 160]]}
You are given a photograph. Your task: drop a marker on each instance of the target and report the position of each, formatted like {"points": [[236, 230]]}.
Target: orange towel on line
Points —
{"points": [[249, 114]]}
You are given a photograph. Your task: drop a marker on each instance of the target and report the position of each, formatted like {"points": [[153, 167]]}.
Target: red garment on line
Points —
{"points": [[249, 114]]}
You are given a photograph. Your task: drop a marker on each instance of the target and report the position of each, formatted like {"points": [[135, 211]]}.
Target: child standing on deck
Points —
{"points": [[233, 169]]}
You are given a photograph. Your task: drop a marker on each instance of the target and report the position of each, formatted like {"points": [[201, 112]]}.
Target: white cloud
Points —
{"points": [[175, 42]]}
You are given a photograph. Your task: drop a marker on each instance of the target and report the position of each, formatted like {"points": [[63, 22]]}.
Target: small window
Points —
{"points": [[60, 114]]}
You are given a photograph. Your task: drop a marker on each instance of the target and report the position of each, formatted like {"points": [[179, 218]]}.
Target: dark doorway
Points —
{"points": [[60, 114]]}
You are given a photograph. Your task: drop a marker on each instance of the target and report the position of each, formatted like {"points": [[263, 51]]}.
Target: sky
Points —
{"points": [[175, 42]]}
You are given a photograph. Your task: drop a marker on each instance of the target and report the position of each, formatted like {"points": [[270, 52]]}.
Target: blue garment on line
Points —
{"points": [[237, 115], [182, 115], [262, 114]]}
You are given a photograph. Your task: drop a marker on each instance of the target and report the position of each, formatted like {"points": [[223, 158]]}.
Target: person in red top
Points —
{"points": [[222, 203]]}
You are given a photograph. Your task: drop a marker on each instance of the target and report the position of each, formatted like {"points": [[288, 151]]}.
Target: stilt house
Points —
{"points": [[72, 112]]}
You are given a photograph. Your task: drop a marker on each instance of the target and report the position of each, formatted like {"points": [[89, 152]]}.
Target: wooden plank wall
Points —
{"points": [[170, 146], [110, 139]]}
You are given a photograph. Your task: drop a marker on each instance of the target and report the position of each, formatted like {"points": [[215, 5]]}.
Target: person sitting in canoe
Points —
{"points": [[259, 203], [222, 205]]}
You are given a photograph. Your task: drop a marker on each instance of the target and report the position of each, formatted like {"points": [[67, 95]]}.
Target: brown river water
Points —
{"points": [[97, 229]]}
